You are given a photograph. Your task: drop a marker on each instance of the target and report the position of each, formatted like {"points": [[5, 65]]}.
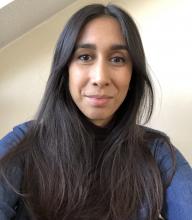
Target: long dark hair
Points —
{"points": [[57, 154]]}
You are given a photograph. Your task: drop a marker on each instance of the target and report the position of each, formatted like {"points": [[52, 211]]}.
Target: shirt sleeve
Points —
{"points": [[13, 138], [178, 195], [8, 197]]}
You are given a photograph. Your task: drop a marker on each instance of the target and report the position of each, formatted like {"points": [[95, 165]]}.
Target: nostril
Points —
{"points": [[100, 84]]}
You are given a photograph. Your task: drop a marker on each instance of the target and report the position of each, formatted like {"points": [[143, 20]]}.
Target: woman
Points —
{"points": [[85, 156]]}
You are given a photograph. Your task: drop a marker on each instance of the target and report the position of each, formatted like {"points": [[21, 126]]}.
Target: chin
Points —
{"points": [[100, 120]]}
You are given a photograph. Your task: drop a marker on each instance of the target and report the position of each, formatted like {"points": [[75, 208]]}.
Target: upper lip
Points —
{"points": [[99, 96]]}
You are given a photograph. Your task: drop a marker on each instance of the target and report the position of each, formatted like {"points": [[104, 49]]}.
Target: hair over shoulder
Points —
{"points": [[59, 175]]}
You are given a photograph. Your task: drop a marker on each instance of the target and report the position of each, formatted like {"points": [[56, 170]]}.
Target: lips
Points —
{"points": [[99, 96], [98, 100]]}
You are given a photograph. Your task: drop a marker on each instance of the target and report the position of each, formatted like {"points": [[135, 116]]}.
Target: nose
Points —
{"points": [[100, 75]]}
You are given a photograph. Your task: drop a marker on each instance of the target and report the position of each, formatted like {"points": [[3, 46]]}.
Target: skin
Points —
{"points": [[100, 70]]}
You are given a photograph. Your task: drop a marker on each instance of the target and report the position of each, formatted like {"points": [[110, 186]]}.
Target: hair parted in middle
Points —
{"points": [[58, 160], [138, 104]]}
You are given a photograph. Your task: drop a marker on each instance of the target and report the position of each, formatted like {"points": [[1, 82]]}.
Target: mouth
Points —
{"points": [[98, 100], [99, 96]]}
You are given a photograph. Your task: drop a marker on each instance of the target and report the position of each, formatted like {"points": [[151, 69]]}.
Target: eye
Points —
{"points": [[85, 57], [118, 60]]}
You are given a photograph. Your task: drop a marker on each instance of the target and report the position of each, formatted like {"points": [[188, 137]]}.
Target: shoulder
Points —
{"points": [[178, 194], [14, 137], [164, 152], [158, 142], [14, 170]]}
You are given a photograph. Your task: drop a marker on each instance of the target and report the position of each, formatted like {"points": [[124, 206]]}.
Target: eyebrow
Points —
{"points": [[88, 46], [93, 46], [119, 47]]}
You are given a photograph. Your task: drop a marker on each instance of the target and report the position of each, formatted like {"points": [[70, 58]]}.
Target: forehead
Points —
{"points": [[102, 30]]}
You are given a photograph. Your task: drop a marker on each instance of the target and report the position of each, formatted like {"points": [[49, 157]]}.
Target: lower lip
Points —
{"points": [[98, 102]]}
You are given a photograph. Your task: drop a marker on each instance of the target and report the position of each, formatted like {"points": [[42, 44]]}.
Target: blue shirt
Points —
{"points": [[178, 196]]}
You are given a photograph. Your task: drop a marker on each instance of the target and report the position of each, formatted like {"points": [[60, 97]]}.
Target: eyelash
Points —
{"points": [[85, 55], [122, 59], [114, 59]]}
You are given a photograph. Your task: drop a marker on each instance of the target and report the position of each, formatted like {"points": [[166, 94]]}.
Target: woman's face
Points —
{"points": [[100, 70]]}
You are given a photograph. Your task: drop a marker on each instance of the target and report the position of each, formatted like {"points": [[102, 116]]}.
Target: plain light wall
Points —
{"points": [[166, 31]]}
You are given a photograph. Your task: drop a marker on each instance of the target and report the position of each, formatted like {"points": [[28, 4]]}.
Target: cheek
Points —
{"points": [[123, 86], [77, 80], [72, 79], [123, 82]]}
